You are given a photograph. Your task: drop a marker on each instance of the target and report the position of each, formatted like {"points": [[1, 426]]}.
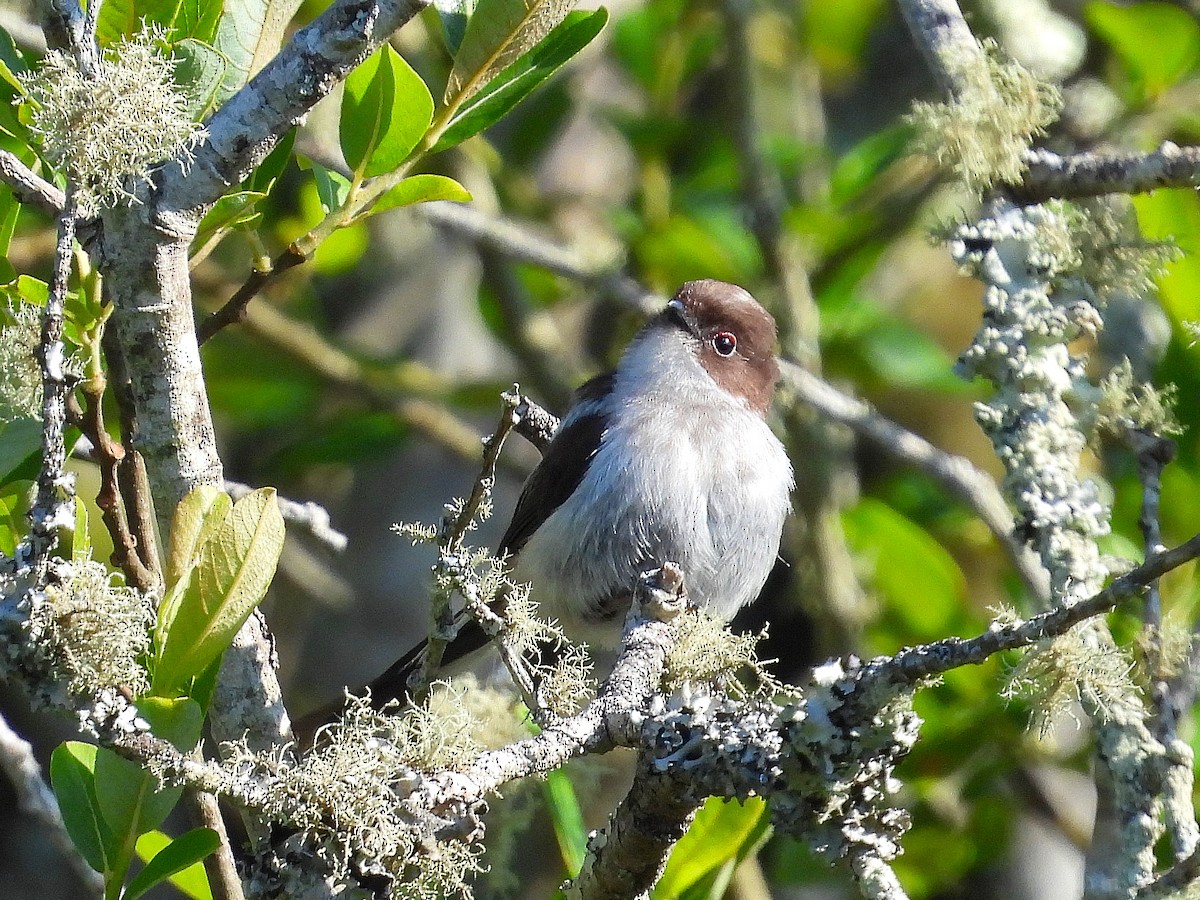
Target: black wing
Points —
{"points": [[561, 469]]}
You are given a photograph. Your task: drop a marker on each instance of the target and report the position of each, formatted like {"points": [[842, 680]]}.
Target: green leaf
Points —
{"points": [[332, 187], [499, 32], [12, 63], [454, 15], [186, 851], [1158, 43], [199, 70], [386, 110], [120, 19], [192, 881], [518, 80], [721, 835], [197, 518], [918, 579], [14, 504], [250, 33], [567, 818], [129, 798], [72, 775], [81, 538], [236, 567], [237, 208], [19, 440], [199, 19], [418, 189]]}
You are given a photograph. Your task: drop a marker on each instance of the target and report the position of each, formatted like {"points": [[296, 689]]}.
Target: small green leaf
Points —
{"points": [[184, 852], [272, 167], [14, 504], [199, 19], [518, 80], [567, 818], [235, 568], [10, 209], [199, 70], [129, 798], [1159, 43], [81, 538], [120, 19], [723, 832], [19, 440], [237, 208], [12, 63], [418, 189], [197, 518], [386, 110], [192, 881], [332, 187], [499, 31], [72, 775]]}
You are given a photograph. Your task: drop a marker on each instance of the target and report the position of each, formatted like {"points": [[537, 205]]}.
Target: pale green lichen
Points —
{"points": [[95, 629], [20, 376], [982, 134], [106, 133], [707, 652], [1126, 404], [1072, 669]]}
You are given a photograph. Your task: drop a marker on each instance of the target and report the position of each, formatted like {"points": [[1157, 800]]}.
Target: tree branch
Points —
{"points": [[1052, 176], [28, 187]]}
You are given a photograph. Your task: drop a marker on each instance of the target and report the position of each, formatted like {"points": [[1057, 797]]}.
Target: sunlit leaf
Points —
{"points": [[249, 35], [1159, 43], [454, 15], [235, 568], [237, 208], [199, 70], [722, 833], [567, 818], [499, 32], [517, 81], [199, 516], [420, 188], [192, 881], [14, 504], [185, 852], [72, 775], [12, 63], [386, 110]]}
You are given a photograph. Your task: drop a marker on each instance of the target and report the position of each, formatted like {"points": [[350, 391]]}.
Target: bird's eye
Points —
{"points": [[725, 343]]}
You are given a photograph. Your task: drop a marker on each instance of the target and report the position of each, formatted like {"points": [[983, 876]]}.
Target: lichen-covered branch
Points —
{"points": [[1050, 175], [28, 187], [307, 515]]}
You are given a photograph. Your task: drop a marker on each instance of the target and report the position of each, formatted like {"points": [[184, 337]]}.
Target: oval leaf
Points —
{"points": [[235, 568], [249, 34], [420, 188], [386, 110], [192, 881], [1158, 42], [72, 775], [518, 81], [185, 851], [498, 32]]}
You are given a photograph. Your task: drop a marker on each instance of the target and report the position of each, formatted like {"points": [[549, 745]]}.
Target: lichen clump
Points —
{"points": [[20, 377], [106, 133], [982, 134]]}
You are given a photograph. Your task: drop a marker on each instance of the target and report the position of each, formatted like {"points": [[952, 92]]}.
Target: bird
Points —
{"points": [[669, 457]]}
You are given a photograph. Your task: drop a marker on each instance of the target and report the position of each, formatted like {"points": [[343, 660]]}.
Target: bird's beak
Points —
{"points": [[681, 316]]}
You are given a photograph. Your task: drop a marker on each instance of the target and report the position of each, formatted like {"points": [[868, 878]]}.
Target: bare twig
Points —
{"points": [[234, 309], [28, 187], [451, 562], [36, 800], [310, 516], [535, 424], [916, 664]]}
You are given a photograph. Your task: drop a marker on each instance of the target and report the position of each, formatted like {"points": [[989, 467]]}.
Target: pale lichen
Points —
{"points": [[105, 134], [983, 132], [20, 375]]}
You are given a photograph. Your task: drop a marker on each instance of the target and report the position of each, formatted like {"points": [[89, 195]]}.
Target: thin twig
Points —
{"points": [[451, 557], [310, 516], [234, 309], [916, 664], [28, 187]]}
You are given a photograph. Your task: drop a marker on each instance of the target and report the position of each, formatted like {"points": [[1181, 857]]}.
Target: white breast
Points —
{"points": [[685, 472]]}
